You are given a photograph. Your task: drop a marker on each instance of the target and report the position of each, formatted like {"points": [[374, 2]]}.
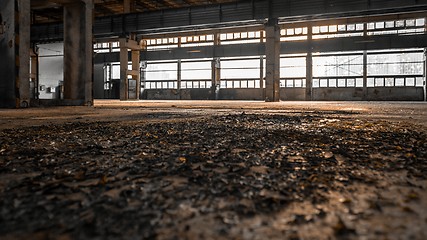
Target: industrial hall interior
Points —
{"points": [[213, 119]]}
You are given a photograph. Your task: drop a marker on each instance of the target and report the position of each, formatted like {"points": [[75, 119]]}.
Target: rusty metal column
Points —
{"points": [[78, 53], [272, 52], [309, 65]]}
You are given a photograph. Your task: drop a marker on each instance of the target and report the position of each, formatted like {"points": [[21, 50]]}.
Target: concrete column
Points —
{"points": [[216, 78], [261, 75], [179, 71], [425, 75], [179, 76], [365, 75], [136, 73], [124, 61], [365, 64], [135, 48], [425, 65], [15, 57], [78, 53], [216, 70], [309, 65], [272, 52], [261, 68], [34, 73]]}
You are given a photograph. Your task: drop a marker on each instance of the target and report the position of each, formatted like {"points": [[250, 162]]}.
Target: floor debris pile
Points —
{"points": [[230, 176]]}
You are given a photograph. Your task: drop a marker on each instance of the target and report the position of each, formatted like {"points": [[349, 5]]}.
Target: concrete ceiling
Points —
{"points": [[44, 11]]}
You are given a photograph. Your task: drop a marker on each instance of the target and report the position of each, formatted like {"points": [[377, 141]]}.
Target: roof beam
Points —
{"points": [[171, 3], [147, 5], [242, 13]]}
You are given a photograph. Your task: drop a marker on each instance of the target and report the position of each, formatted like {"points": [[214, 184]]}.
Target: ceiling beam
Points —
{"points": [[103, 9], [147, 5], [171, 3], [43, 4]]}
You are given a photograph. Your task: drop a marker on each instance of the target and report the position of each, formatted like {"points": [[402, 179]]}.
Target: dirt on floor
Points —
{"points": [[214, 170]]}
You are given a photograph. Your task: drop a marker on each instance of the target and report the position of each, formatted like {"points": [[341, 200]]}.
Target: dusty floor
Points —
{"points": [[215, 170]]}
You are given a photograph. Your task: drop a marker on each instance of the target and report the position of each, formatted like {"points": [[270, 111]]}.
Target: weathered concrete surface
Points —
{"points": [[272, 52], [215, 170], [78, 51], [14, 52], [114, 110], [7, 53]]}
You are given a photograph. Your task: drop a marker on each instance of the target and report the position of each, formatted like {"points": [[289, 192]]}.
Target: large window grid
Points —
{"points": [[396, 27], [408, 26], [105, 47], [162, 43], [396, 69], [293, 82], [160, 75], [293, 34], [338, 70], [242, 72], [190, 84], [293, 71], [241, 37], [338, 82], [338, 64], [154, 44], [396, 81], [336, 31], [333, 70], [196, 74], [396, 63]]}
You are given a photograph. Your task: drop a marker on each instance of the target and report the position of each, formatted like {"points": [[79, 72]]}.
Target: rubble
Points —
{"points": [[224, 176]]}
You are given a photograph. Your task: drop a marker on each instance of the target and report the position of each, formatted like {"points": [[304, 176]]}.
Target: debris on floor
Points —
{"points": [[229, 176]]}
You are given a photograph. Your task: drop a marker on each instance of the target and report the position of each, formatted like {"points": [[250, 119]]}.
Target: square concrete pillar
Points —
{"points": [[272, 52], [78, 52], [135, 48], [124, 61], [34, 66], [14, 52], [216, 78], [309, 65]]}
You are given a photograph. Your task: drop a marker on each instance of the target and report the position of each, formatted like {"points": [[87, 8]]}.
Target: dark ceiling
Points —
{"points": [[43, 11]]}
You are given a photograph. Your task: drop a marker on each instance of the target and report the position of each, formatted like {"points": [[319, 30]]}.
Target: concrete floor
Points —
{"points": [[114, 110], [374, 187]]}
